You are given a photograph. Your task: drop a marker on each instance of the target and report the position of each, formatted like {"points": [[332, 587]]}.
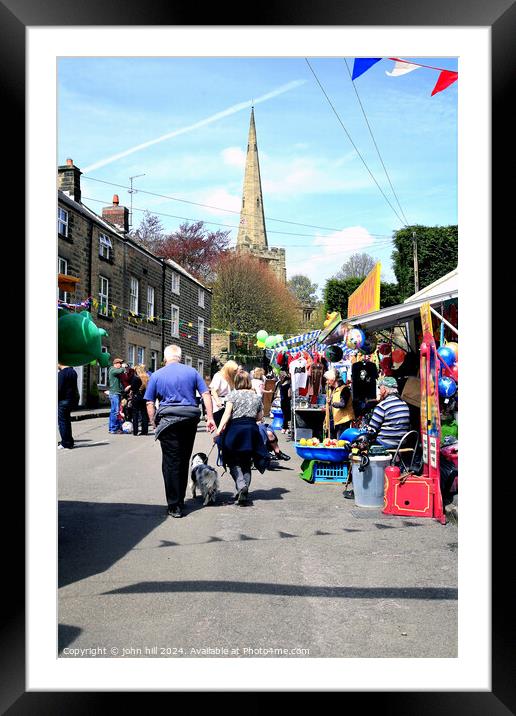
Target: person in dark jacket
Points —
{"points": [[238, 436], [138, 406], [67, 400]]}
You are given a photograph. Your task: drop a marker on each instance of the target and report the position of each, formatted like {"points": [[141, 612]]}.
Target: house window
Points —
{"points": [[140, 354], [103, 372], [153, 361], [133, 295], [200, 367], [188, 360], [62, 267], [105, 246], [131, 354], [200, 297], [103, 295], [200, 331], [150, 301], [62, 222], [175, 282], [174, 327]]}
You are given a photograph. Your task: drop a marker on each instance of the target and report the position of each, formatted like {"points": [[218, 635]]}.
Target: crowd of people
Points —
{"points": [[173, 398]]}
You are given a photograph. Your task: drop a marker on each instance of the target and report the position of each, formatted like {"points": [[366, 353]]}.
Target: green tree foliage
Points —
{"points": [[437, 252], [303, 289], [247, 296], [337, 291]]}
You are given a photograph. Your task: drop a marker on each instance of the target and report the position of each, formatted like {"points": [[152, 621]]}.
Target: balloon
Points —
{"points": [[355, 338], [351, 433], [447, 355], [280, 338], [262, 335], [260, 344], [384, 349], [79, 340], [270, 341], [447, 387], [333, 354], [398, 355], [455, 372], [454, 347]]}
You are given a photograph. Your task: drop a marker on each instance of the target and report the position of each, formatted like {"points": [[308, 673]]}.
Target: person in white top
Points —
{"points": [[221, 384], [258, 380]]}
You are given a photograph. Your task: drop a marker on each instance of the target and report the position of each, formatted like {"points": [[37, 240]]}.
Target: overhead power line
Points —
{"points": [[353, 143], [217, 208], [228, 226], [374, 142]]}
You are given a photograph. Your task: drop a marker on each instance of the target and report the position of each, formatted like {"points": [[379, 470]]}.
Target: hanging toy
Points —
{"points": [[447, 387], [79, 340], [355, 338], [453, 347], [447, 354], [333, 354]]}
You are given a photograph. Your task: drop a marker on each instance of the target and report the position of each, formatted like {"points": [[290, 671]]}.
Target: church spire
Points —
{"points": [[252, 231]]}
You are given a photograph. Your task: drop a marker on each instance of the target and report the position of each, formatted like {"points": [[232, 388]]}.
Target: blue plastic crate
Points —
{"points": [[330, 472]]}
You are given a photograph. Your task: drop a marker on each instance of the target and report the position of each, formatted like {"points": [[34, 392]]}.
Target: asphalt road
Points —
{"points": [[300, 571]]}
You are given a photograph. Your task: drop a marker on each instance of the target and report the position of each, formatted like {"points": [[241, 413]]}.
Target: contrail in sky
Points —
{"points": [[201, 123]]}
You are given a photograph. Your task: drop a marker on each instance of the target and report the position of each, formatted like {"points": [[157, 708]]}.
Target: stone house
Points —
{"points": [[142, 301]]}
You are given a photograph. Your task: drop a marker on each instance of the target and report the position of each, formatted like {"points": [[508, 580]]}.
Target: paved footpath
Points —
{"points": [[301, 569]]}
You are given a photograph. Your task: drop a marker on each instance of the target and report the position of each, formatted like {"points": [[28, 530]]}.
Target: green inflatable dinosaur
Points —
{"points": [[79, 340]]}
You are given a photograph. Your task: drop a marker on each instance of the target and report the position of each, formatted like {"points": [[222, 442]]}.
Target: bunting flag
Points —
{"points": [[403, 67], [362, 64], [445, 79]]}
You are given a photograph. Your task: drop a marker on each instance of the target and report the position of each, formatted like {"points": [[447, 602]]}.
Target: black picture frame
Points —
{"points": [[500, 16]]}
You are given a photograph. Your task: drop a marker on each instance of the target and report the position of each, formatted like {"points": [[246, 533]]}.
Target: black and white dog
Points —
{"points": [[204, 478]]}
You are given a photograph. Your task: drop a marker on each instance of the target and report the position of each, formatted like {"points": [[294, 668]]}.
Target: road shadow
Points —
{"points": [[291, 590], [275, 493], [92, 535], [66, 634]]}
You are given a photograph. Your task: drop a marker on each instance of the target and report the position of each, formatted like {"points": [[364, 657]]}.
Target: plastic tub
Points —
{"points": [[368, 485], [335, 454]]}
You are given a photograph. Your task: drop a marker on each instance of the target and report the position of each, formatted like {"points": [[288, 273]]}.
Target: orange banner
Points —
{"points": [[366, 298]]}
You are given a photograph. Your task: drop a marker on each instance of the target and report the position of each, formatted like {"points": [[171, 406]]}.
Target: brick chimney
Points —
{"points": [[69, 180], [117, 215]]}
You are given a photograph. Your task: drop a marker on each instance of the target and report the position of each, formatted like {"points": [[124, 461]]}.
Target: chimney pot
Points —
{"points": [[69, 162], [116, 200]]}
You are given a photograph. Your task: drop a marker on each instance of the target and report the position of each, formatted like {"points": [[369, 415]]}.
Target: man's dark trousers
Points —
{"points": [[177, 442], [64, 408]]}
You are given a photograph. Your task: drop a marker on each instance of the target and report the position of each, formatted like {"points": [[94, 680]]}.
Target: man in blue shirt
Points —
{"points": [[175, 422]]}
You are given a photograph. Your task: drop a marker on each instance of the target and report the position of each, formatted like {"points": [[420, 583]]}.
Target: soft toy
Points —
{"points": [[79, 340]]}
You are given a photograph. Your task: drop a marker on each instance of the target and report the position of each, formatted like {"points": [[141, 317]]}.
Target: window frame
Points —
{"points": [[131, 353], [151, 305], [188, 361], [153, 361], [103, 372], [175, 279], [63, 295], [101, 312], [134, 298], [200, 321], [60, 221], [105, 244], [140, 355], [172, 307], [200, 297], [200, 367]]}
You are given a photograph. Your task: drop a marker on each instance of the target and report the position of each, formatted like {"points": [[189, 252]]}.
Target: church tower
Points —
{"points": [[252, 234]]}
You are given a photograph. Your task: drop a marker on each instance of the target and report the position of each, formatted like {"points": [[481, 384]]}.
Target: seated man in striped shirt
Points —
{"points": [[391, 417]]}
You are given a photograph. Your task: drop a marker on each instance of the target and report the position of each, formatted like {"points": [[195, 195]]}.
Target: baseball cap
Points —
{"points": [[388, 381]]}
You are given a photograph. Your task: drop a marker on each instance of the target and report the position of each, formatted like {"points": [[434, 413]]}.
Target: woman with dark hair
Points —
{"points": [[285, 394], [139, 408], [238, 435]]}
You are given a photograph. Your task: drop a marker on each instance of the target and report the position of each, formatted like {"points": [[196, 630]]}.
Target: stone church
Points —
{"points": [[252, 234]]}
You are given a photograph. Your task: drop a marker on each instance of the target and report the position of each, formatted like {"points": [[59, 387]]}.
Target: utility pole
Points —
{"points": [[131, 192], [416, 268]]}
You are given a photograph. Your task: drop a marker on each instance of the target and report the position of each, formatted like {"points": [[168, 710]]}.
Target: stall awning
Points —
{"points": [[399, 314]]}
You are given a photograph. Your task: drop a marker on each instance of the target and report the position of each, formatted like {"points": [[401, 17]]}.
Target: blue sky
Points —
{"points": [[311, 173]]}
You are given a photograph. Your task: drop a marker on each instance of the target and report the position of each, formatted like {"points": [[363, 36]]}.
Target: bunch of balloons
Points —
{"points": [[450, 355], [263, 340]]}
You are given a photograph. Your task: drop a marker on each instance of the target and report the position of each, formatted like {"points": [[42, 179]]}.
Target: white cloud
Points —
{"points": [[234, 157], [334, 250], [221, 198]]}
